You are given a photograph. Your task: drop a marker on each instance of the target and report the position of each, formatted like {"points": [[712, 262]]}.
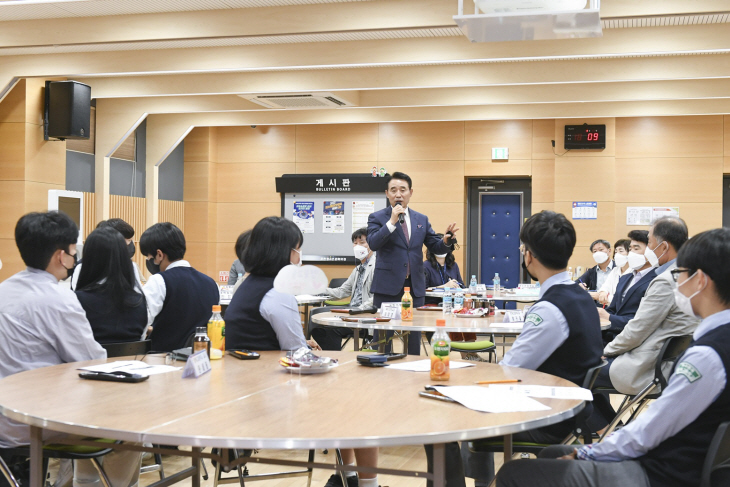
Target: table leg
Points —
{"points": [[405, 336], [196, 465], [439, 465], [36, 457], [307, 332], [507, 448], [356, 338]]}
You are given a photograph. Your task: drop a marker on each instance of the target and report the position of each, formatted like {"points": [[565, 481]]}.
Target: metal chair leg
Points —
{"points": [[340, 461], [102, 474], [5, 470]]}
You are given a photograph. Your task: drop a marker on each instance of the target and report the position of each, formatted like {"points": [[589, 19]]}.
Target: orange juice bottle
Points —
{"points": [[217, 329], [406, 305], [441, 345]]}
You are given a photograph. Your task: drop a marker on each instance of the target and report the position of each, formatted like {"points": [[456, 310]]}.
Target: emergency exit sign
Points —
{"points": [[500, 153]]}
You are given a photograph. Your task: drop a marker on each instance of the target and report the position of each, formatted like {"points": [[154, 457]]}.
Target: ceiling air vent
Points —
{"points": [[299, 101]]}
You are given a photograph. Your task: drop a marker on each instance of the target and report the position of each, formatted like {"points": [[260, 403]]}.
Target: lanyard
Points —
{"points": [[441, 271]]}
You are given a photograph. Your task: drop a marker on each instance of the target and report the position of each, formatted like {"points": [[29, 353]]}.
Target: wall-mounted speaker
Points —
{"points": [[67, 110]]}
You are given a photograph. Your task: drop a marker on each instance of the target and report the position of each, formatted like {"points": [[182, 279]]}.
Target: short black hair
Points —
{"points": [[622, 242], [163, 236], [119, 225], [39, 235], [399, 175], [671, 229], [270, 245], [360, 232], [708, 251], [241, 243], [550, 237], [605, 243], [639, 236]]}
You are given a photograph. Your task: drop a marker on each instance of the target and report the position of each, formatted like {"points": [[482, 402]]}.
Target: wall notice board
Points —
{"points": [[328, 208]]}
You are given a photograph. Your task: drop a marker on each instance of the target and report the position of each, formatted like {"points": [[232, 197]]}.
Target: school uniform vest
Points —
{"points": [[110, 324], [245, 327], [678, 460], [189, 299], [583, 347]]}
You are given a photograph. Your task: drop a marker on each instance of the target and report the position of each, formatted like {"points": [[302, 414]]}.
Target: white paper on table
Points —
{"points": [[131, 366], [508, 325], [546, 391], [425, 365], [490, 400]]}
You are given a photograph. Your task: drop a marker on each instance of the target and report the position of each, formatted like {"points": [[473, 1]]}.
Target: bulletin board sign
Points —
{"points": [[328, 208]]}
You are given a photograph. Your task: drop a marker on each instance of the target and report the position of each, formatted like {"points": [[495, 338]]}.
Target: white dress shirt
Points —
{"points": [[637, 277], [407, 216]]}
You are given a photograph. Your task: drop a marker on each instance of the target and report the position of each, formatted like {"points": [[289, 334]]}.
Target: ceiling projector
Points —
{"points": [[503, 6]]}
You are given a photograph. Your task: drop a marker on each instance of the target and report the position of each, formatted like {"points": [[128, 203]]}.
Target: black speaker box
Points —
{"points": [[68, 110]]}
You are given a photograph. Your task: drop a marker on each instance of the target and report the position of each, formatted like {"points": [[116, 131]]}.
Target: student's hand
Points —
{"points": [[570, 456], [312, 343], [603, 314], [594, 296], [583, 286], [603, 297], [453, 283]]}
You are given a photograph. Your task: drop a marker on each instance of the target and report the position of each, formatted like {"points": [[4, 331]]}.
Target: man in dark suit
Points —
{"points": [[631, 287], [399, 245], [593, 278]]}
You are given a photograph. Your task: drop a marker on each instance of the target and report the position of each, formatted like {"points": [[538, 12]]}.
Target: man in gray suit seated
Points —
{"points": [[633, 353]]}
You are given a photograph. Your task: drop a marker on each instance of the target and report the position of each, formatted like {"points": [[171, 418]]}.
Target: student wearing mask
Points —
{"points": [[667, 444], [107, 290], [621, 260], [260, 317], [47, 326], [442, 269], [357, 288], [179, 298], [631, 287], [593, 278], [128, 233]]}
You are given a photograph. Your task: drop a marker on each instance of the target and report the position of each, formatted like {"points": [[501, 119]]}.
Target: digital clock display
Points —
{"points": [[585, 136]]}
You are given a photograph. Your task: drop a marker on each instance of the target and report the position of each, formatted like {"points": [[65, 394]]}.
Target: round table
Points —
{"points": [[259, 404], [505, 297]]}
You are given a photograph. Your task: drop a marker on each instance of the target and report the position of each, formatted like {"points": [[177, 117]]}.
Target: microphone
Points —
{"points": [[402, 216]]}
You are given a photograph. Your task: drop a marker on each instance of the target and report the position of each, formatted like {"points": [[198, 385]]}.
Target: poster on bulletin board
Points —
{"points": [[585, 210], [303, 216], [334, 217]]}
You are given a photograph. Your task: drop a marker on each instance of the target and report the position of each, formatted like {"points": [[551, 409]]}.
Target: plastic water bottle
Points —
{"points": [[495, 281], [459, 301], [448, 302], [473, 285]]}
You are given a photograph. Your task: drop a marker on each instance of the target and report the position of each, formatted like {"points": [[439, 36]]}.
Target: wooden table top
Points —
{"points": [[259, 404]]}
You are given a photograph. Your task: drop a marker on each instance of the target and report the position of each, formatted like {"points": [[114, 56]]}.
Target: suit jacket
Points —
{"points": [[623, 308], [394, 255], [590, 277], [348, 287], [638, 345]]}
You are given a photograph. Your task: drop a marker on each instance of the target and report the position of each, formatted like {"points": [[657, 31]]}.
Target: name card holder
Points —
{"points": [[482, 288], [390, 310], [197, 365]]}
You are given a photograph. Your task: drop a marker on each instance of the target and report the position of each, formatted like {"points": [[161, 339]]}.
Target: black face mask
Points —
{"points": [[130, 249], [70, 271], [528, 272], [152, 267]]}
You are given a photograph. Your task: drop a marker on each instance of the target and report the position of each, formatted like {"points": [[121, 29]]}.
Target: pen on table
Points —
{"points": [[506, 381]]}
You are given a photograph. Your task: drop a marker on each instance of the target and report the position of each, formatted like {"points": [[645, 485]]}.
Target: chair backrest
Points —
{"points": [[716, 470], [123, 349], [671, 351], [592, 374], [337, 282]]}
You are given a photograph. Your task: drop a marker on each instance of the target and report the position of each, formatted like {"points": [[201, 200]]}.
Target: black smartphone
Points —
{"points": [[244, 354], [114, 376], [372, 360]]}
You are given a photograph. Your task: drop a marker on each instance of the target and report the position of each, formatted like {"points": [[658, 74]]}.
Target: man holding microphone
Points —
{"points": [[398, 234]]}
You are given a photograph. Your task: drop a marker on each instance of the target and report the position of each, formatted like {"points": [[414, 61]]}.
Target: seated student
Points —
{"points": [[237, 270], [442, 270], [43, 324], [128, 233], [594, 277], [260, 317], [240, 247], [667, 444], [630, 288], [106, 289], [562, 333], [179, 298], [357, 288], [621, 259]]}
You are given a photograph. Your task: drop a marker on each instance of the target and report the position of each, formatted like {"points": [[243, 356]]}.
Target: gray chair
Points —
{"points": [[716, 470]]}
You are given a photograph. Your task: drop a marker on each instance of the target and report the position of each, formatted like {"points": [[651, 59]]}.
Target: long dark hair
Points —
{"points": [[107, 269], [269, 246], [448, 262]]}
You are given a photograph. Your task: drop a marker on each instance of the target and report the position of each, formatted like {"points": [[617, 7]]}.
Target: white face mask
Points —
{"points": [[683, 302], [636, 261], [600, 257], [621, 259], [651, 256], [298, 264], [440, 256], [360, 252]]}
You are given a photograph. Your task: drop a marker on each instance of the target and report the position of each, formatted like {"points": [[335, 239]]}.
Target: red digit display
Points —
{"points": [[578, 137]]}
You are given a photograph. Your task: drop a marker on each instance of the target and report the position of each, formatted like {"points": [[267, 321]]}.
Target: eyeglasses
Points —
{"points": [[676, 272]]}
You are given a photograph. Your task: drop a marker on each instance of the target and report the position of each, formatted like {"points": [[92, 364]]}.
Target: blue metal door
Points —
{"points": [[499, 230]]}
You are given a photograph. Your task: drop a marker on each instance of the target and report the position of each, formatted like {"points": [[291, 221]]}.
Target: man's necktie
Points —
{"points": [[408, 243]]}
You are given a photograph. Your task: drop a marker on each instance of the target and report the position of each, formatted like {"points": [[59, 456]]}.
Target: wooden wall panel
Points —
{"points": [[250, 182], [44, 161], [543, 181], [481, 136], [12, 206], [262, 144], [339, 167], [197, 144], [36, 195], [12, 108], [89, 214], [236, 218], [337, 143], [584, 179], [9, 254], [127, 150], [726, 165], [441, 181], [132, 210], [726, 138], [12, 151], [513, 167], [644, 137], [173, 212], [543, 133], [697, 179], [195, 182], [427, 141]]}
